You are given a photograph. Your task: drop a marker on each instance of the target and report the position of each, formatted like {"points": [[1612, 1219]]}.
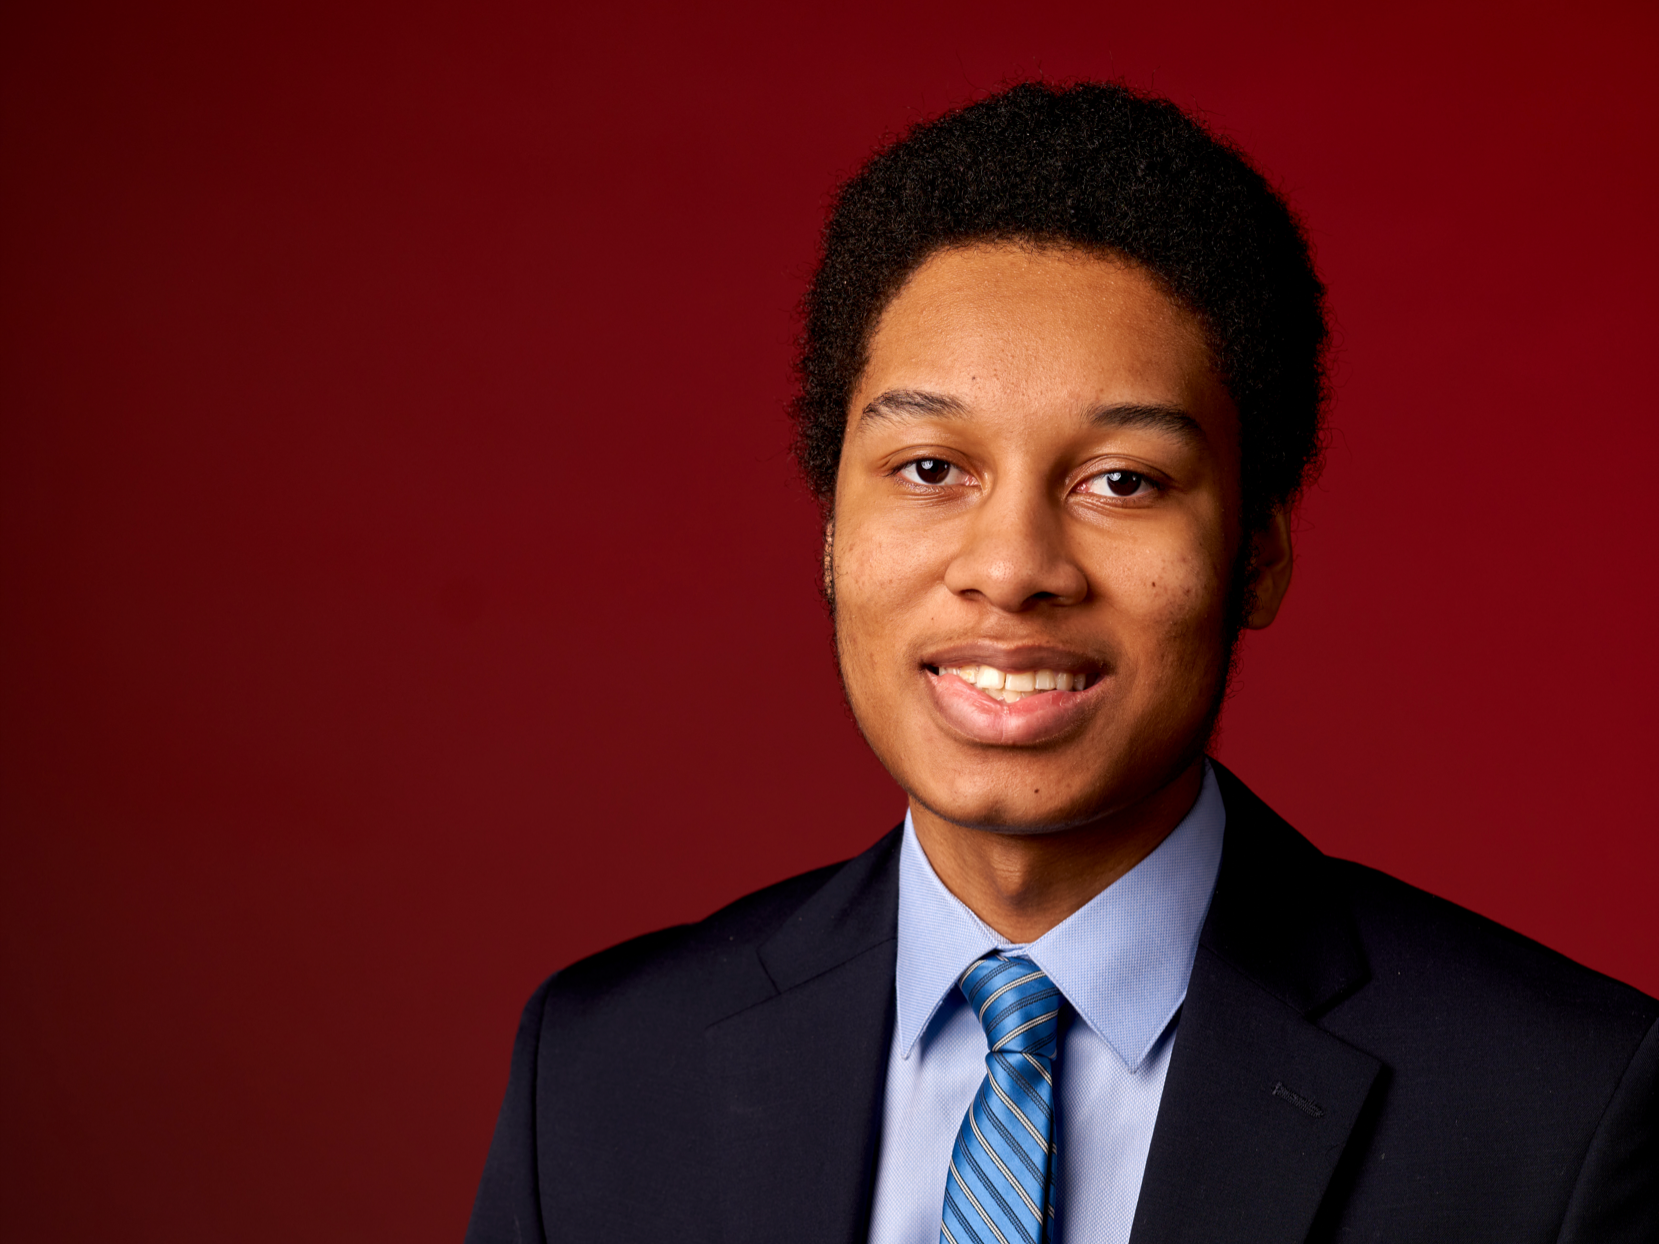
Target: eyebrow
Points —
{"points": [[917, 404], [911, 403], [1168, 419]]}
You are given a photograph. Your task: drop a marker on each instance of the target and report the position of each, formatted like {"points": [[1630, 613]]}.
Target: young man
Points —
{"points": [[1061, 385]]}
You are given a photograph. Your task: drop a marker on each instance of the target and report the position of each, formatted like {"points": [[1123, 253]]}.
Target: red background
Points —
{"points": [[406, 591]]}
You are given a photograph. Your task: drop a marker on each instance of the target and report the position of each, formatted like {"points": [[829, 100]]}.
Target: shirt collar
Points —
{"points": [[1122, 959]]}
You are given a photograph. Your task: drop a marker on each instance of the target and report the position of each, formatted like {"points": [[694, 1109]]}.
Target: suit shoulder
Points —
{"points": [[1433, 946], [688, 958], [1426, 957]]}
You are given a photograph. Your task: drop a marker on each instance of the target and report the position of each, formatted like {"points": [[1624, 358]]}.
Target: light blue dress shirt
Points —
{"points": [[1122, 961]]}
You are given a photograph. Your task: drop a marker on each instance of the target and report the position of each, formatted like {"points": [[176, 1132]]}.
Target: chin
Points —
{"points": [[1001, 812], [1042, 794]]}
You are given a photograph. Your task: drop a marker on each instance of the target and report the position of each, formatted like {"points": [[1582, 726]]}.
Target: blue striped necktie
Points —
{"points": [[999, 1187]]}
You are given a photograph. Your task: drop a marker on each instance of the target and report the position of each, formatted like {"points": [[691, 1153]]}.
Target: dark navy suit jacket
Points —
{"points": [[1355, 1060]]}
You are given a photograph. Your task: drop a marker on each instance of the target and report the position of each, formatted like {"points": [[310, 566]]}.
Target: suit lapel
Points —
{"points": [[1260, 1102], [798, 1078]]}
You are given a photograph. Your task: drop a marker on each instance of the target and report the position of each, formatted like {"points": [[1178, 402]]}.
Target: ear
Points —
{"points": [[1271, 560], [829, 556]]}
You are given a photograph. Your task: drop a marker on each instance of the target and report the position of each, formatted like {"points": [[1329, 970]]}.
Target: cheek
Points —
{"points": [[875, 578], [1174, 599], [880, 576]]}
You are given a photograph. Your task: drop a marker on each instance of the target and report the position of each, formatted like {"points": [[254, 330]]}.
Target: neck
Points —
{"points": [[1023, 884]]}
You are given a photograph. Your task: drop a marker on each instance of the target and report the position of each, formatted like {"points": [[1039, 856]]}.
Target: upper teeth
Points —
{"points": [[1015, 685]]}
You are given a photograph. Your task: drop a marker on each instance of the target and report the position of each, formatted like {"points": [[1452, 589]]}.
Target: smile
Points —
{"points": [[1012, 686]]}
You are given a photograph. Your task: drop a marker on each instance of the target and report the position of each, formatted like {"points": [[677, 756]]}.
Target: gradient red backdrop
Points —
{"points": [[406, 590]]}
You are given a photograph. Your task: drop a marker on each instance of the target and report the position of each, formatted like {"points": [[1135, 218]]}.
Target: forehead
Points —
{"points": [[1039, 327]]}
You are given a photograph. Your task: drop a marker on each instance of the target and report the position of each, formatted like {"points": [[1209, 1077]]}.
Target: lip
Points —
{"points": [[1034, 720]]}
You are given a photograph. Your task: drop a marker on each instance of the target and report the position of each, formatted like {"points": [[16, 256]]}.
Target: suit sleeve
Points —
{"points": [[508, 1207], [1616, 1198]]}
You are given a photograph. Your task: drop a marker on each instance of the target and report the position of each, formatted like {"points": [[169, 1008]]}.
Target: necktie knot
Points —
{"points": [[1017, 1004]]}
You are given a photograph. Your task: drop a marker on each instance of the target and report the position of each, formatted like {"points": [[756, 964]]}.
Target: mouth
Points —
{"points": [[1031, 696], [1012, 686]]}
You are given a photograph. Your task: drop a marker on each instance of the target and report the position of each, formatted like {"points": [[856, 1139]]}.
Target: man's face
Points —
{"points": [[1039, 486]]}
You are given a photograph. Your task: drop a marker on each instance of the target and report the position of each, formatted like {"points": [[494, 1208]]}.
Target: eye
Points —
{"points": [[931, 472], [1119, 484]]}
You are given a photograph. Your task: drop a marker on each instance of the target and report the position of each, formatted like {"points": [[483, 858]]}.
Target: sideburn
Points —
{"points": [[1241, 603]]}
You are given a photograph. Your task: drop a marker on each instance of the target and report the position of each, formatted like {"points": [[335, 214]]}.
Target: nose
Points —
{"points": [[1014, 555]]}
